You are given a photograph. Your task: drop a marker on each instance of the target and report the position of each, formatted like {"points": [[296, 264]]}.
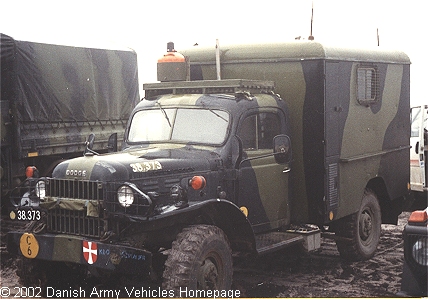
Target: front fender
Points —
{"points": [[222, 213]]}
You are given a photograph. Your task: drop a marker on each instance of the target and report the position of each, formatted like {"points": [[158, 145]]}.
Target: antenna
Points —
{"points": [[311, 37], [217, 58], [377, 36]]}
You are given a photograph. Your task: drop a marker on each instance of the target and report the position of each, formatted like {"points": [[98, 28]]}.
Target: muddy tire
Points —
{"points": [[200, 259], [361, 230]]}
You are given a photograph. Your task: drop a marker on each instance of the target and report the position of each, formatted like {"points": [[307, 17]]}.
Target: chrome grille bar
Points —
{"points": [[62, 188], [74, 222]]}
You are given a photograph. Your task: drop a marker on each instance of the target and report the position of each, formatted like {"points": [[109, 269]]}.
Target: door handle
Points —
{"points": [[286, 170]]}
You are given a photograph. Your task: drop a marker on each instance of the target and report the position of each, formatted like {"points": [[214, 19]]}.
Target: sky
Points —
{"points": [[147, 26]]}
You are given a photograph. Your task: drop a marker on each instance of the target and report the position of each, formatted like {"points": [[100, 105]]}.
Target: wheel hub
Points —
{"points": [[366, 226], [208, 274]]}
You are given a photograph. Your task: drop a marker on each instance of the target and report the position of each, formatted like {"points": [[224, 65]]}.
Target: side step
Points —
{"points": [[273, 241]]}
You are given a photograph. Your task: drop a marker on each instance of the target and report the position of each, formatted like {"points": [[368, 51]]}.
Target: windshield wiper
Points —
{"points": [[164, 113], [218, 115], [215, 113]]}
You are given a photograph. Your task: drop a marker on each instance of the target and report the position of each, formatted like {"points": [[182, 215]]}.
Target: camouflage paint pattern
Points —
{"points": [[192, 159], [59, 94], [54, 96], [356, 145], [340, 147], [378, 131]]}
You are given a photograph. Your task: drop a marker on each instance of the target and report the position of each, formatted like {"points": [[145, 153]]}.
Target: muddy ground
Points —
{"points": [[292, 273]]}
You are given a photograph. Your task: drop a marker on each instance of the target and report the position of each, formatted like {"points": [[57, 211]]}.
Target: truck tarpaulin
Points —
{"points": [[54, 96], [54, 83]]}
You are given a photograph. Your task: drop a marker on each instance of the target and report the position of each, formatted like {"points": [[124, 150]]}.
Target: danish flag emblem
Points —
{"points": [[90, 252]]}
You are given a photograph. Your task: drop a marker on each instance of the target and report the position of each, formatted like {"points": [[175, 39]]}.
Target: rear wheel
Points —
{"points": [[360, 231], [200, 259]]}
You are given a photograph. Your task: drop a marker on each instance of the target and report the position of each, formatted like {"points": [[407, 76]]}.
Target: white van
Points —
{"points": [[418, 151]]}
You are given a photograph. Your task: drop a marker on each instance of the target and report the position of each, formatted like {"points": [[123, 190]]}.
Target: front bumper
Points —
{"points": [[80, 250]]}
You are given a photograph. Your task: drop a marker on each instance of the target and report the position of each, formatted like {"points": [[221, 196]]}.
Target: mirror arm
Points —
{"points": [[89, 145], [258, 157]]}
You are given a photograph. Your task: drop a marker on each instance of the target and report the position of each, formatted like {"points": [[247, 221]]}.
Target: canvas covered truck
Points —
{"points": [[418, 155], [53, 97], [295, 140]]}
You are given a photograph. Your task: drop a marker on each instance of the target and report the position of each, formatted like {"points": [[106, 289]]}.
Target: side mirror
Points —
{"points": [[282, 149], [112, 143], [90, 144]]}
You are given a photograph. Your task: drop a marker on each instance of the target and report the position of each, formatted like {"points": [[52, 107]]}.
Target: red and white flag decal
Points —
{"points": [[90, 252]]}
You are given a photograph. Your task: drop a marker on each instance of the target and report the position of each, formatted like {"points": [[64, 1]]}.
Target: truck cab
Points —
{"points": [[214, 126]]}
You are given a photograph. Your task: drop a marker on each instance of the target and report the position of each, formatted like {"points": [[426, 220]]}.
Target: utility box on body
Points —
{"points": [[349, 119]]}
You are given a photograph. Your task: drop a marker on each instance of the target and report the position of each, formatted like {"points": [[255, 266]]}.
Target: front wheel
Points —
{"points": [[360, 231], [200, 259]]}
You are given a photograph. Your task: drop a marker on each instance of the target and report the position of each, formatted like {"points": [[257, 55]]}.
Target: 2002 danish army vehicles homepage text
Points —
{"points": [[297, 138]]}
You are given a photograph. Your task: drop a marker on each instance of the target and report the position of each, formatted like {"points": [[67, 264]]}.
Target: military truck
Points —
{"points": [[53, 97], [296, 140], [418, 155]]}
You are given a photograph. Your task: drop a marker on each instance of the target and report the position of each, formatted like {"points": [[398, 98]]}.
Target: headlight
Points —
{"points": [[125, 196], [40, 190], [420, 251]]}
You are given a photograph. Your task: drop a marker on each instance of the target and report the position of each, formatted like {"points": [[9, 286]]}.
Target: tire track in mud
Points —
{"points": [[292, 273]]}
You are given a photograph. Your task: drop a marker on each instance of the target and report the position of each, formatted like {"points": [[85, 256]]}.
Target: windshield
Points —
{"points": [[179, 124]]}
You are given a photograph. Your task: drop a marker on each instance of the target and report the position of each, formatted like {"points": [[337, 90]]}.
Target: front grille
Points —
{"points": [[74, 189], [74, 222], [69, 221]]}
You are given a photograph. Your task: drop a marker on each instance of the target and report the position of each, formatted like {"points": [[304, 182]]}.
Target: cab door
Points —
{"points": [[263, 183]]}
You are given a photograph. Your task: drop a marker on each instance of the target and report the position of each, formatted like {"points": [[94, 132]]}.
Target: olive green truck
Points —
{"points": [[53, 97], [296, 140]]}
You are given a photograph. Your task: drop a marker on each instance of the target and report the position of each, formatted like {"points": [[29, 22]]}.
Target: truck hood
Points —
{"points": [[137, 163]]}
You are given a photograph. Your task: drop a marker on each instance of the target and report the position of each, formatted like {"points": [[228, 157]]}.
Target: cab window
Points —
{"points": [[258, 130]]}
